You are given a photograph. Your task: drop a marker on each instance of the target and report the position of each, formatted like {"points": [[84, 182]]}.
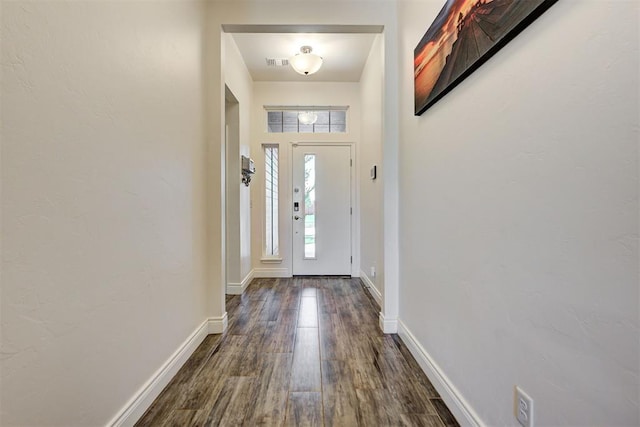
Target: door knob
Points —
{"points": [[296, 217]]}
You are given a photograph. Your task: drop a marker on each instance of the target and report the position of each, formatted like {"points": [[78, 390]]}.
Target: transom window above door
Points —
{"points": [[309, 119]]}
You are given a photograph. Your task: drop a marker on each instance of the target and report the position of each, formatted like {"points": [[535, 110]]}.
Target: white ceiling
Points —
{"points": [[344, 54]]}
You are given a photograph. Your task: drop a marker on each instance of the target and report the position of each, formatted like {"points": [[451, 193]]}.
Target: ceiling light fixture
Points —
{"points": [[307, 117], [305, 62]]}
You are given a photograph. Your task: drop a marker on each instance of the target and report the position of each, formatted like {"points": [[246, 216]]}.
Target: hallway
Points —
{"points": [[301, 351]]}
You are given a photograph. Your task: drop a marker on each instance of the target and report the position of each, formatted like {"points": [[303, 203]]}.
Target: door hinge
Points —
{"points": [[350, 211], [350, 162], [351, 260]]}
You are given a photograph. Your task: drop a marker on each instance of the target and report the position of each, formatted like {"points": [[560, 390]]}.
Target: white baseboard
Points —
{"points": [[234, 289], [218, 325], [239, 288], [144, 397], [388, 326], [271, 272], [456, 403], [375, 293]]}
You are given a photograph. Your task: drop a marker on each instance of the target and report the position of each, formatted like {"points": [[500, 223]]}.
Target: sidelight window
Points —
{"points": [[271, 200]]}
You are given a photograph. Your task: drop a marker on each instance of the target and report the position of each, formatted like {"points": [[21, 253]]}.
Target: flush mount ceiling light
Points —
{"points": [[305, 62], [307, 117]]}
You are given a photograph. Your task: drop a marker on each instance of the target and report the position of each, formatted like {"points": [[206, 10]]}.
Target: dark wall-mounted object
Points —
{"points": [[374, 172], [464, 35], [248, 169]]}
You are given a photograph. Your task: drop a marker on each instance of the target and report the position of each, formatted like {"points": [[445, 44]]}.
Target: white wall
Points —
{"points": [[371, 194], [232, 196], [293, 93], [519, 218], [238, 81], [102, 202]]}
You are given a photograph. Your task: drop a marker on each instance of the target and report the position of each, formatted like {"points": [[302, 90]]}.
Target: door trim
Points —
{"points": [[355, 202]]}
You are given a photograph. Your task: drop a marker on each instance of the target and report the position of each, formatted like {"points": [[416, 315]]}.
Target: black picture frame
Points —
{"points": [[443, 59]]}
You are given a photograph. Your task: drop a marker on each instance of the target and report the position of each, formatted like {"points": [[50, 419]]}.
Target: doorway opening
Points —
{"points": [[256, 58]]}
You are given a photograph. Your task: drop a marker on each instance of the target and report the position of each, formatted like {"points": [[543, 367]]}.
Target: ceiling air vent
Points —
{"points": [[277, 62]]}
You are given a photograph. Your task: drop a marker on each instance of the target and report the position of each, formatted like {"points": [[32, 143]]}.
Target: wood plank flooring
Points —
{"points": [[305, 351]]}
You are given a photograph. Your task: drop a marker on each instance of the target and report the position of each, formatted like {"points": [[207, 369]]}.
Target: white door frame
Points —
{"points": [[355, 216]]}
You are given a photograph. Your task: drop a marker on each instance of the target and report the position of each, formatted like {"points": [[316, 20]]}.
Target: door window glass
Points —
{"points": [[309, 206]]}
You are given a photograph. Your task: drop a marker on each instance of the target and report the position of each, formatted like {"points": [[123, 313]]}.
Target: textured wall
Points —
{"points": [[371, 226], [519, 217], [238, 80], [102, 202]]}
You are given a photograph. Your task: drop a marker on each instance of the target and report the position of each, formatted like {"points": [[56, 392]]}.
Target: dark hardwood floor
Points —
{"points": [[305, 351]]}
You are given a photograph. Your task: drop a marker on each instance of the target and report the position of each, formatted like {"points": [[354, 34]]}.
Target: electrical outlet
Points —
{"points": [[373, 272], [523, 408]]}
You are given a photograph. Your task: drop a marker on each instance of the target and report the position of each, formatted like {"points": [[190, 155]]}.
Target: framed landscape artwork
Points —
{"points": [[463, 36]]}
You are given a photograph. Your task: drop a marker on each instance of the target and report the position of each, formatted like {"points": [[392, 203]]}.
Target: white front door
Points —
{"points": [[321, 209]]}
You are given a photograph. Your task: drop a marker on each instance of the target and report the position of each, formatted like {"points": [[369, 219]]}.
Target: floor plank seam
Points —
{"points": [[340, 369]]}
